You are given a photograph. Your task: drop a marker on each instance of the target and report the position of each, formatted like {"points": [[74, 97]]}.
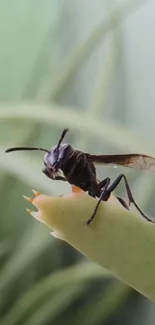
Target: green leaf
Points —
{"points": [[115, 134], [104, 305], [82, 52], [117, 239], [53, 293]]}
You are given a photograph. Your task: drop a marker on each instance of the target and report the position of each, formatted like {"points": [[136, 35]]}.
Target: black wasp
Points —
{"points": [[79, 169]]}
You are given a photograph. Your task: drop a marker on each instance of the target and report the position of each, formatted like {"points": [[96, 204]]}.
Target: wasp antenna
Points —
{"points": [[25, 148], [62, 137]]}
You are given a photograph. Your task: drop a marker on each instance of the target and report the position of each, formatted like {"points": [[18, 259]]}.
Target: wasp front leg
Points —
{"points": [[102, 187]]}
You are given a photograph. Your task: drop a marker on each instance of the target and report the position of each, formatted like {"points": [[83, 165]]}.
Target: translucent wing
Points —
{"points": [[142, 162]]}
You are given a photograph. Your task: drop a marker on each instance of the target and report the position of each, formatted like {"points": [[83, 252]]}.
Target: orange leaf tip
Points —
{"points": [[35, 214], [28, 198], [36, 193], [33, 199]]}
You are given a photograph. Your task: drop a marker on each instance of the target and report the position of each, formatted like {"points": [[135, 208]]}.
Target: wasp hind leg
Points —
{"points": [[123, 202], [106, 192], [129, 194]]}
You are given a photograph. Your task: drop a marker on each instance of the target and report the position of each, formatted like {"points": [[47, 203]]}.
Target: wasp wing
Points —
{"points": [[142, 162]]}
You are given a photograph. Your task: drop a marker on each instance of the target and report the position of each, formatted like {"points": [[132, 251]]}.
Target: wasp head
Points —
{"points": [[55, 160]]}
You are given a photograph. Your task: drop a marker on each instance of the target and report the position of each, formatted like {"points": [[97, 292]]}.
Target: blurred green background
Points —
{"points": [[90, 66]]}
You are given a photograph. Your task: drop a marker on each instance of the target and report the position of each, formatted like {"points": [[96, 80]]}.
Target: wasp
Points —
{"points": [[63, 162]]}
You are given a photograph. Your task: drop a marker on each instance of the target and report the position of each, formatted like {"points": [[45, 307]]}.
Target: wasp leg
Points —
{"points": [[96, 191], [105, 194], [123, 202], [103, 185], [112, 187]]}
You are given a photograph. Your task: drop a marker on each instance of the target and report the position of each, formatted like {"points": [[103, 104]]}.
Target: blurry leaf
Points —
{"points": [[82, 53], [42, 63], [99, 96], [5, 247], [53, 286], [34, 242], [54, 306], [103, 305], [115, 134], [23, 27]]}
